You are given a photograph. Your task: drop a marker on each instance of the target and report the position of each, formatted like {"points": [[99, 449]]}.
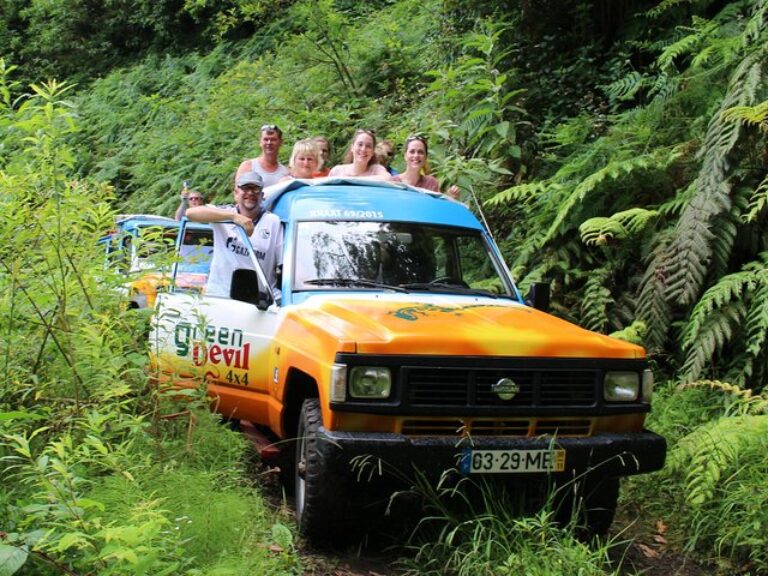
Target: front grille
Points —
{"points": [[462, 387], [486, 427]]}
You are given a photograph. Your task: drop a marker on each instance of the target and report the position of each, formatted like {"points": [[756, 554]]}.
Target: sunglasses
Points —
{"points": [[272, 128], [195, 198], [250, 188], [419, 137]]}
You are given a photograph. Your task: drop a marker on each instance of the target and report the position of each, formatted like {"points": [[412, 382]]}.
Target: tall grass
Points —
{"points": [[477, 528]]}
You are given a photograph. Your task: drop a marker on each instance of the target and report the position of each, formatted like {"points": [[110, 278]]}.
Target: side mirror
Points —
{"points": [[245, 288], [538, 296]]}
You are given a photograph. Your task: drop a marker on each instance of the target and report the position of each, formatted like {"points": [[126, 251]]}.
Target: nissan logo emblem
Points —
{"points": [[506, 388]]}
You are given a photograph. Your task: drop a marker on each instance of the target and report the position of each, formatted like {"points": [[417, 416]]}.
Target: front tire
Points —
{"points": [[319, 506]]}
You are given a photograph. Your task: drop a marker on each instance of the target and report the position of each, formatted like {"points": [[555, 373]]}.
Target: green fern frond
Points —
{"points": [[691, 250], [611, 171], [750, 115], [626, 88], [653, 308], [596, 301], [727, 227], [713, 335], [664, 86], [597, 231], [521, 193], [758, 201], [634, 333], [703, 58], [757, 318], [685, 45], [756, 24], [635, 220], [713, 451], [666, 5], [727, 290]]}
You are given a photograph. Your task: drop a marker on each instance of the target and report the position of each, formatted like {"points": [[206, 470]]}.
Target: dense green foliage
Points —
{"points": [[618, 150], [100, 474]]}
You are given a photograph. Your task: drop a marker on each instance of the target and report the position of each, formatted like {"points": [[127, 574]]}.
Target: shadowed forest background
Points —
{"points": [[618, 149]]}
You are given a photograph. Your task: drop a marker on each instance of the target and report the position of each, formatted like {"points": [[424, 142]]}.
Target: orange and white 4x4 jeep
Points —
{"points": [[402, 341]]}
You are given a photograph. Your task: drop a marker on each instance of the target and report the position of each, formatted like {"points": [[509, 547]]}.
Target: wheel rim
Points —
{"points": [[301, 460]]}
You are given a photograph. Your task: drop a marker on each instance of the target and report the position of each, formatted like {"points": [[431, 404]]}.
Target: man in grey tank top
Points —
{"points": [[266, 164]]}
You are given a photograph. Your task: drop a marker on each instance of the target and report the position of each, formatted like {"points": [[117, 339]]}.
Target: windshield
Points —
{"points": [[401, 256]]}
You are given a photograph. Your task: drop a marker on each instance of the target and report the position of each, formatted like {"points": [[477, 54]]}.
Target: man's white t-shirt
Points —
{"points": [[229, 253], [269, 178]]}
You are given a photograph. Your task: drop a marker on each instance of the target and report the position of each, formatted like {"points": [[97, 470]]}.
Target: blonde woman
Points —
{"points": [[417, 167], [305, 160], [360, 159]]}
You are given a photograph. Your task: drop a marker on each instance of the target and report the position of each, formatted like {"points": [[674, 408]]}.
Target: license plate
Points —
{"points": [[512, 461]]}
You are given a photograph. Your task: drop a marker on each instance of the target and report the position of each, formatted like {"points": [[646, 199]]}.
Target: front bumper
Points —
{"points": [[385, 454]]}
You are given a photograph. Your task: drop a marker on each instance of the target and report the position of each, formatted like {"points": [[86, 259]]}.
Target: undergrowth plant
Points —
{"points": [[668, 190], [488, 528], [712, 492], [78, 417]]}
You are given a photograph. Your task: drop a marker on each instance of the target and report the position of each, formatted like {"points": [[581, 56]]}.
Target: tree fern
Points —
{"points": [[757, 325], [611, 171], [758, 201], [736, 299], [751, 115], [690, 251], [653, 308]]}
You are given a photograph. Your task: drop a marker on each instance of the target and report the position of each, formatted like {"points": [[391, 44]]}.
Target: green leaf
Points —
{"points": [[11, 559], [282, 536], [20, 415]]}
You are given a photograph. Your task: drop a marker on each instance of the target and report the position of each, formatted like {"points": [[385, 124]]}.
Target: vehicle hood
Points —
{"points": [[448, 325]]}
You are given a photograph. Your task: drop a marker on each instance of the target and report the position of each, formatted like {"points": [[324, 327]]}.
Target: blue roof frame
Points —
{"points": [[360, 199]]}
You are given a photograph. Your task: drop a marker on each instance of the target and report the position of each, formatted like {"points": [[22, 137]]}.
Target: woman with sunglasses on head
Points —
{"points": [[189, 198], [360, 159], [417, 167]]}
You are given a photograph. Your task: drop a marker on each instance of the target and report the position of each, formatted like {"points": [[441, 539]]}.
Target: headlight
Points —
{"points": [[339, 383], [369, 382], [621, 386], [647, 385]]}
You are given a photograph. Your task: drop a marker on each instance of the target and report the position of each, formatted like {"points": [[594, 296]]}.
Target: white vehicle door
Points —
{"points": [[223, 339]]}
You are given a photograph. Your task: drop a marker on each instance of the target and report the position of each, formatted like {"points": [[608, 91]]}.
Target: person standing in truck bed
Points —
{"points": [[360, 159], [266, 164], [305, 159], [417, 167]]}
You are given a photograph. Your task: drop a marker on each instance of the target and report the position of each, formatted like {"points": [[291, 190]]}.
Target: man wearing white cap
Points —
{"points": [[262, 227]]}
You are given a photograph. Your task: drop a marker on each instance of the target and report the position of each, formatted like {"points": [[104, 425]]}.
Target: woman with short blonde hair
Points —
{"points": [[305, 159]]}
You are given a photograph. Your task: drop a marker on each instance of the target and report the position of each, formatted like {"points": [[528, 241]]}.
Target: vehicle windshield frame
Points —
{"points": [[505, 287]]}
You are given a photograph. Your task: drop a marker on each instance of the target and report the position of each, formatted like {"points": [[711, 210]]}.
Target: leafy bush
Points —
{"points": [[99, 468], [712, 492]]}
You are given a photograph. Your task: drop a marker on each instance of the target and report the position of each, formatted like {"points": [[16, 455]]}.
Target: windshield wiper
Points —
{"points": [[353, 282], [446, 287]]}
